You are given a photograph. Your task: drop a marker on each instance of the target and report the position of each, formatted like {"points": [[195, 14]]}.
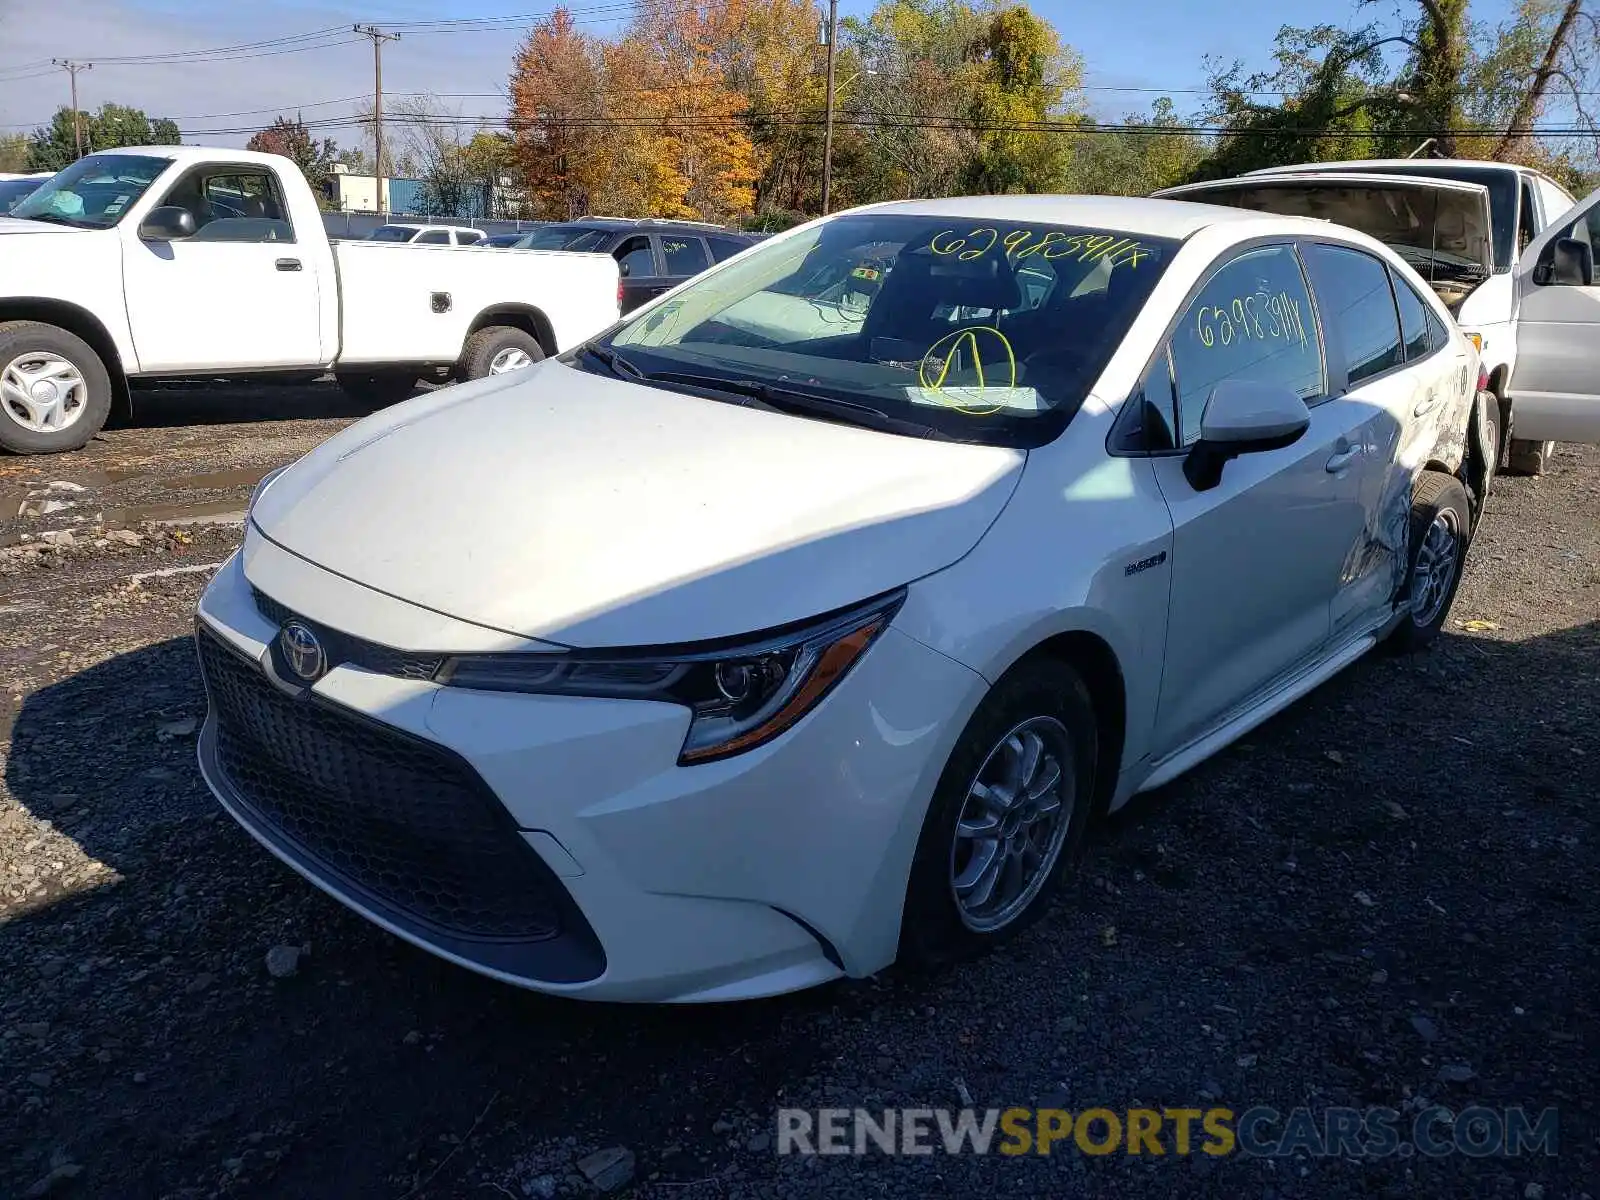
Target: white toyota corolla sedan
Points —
{"points": [[722, 657]]}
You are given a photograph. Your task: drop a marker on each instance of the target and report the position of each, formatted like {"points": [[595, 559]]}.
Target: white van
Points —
{"points": [[1464, 225]]}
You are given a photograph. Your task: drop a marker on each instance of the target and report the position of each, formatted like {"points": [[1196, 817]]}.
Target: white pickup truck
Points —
{"points": [[165, 262]]}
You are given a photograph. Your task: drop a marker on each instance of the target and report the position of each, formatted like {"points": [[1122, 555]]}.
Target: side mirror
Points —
{"points": [[168, 223], [1571, 263], [1243, 417]]}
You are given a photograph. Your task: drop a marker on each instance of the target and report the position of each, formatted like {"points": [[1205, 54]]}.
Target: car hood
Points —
{"points": [[590, 511], [1407, 212]]}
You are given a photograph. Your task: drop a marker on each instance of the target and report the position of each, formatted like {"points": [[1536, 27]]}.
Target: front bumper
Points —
{"points": [[554, 842]]}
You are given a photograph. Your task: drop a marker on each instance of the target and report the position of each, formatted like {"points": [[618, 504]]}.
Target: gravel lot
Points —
{"points": [[1384, 897]]}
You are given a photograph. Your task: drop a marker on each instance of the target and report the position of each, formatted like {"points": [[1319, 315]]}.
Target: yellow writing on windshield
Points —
{"points": [[1260, 316], [1052, 244], [932, 370]]}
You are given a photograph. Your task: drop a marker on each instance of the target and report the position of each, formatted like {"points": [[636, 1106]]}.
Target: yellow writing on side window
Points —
{"points": [[1051, 244], [1260, 316]]}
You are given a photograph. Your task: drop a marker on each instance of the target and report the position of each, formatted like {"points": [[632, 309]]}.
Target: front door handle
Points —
{"points": [[287, 264], [1343, 459]]}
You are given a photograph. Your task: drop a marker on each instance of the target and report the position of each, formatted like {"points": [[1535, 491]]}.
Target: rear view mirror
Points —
{"points": [[1243, 417], [169, 223], [1571, 263]]}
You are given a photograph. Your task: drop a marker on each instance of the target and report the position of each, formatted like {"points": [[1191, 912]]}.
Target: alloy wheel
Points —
{"points": [[1436, 567]]}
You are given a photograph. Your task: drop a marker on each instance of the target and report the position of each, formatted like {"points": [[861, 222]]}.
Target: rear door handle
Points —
{"points": [[287, 264], [1343, 459]]}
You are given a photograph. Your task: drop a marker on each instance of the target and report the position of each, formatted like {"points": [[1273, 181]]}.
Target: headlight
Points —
{"points": [[741, 695], [261, 487]]}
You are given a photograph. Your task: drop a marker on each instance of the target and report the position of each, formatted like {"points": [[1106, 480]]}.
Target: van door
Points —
{"points": [[1555, 381]]}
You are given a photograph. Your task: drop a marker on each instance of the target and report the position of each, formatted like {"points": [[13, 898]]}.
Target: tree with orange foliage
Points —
{"points": [[560, 143]]}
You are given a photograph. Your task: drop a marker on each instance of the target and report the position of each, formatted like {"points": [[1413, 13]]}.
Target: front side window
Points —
{"points": [[1252, 320], [243, 206], [974, 330], [392, 233], [94, 192], [564, 237], [433, 237], [635, 259], [1357, 308], [725, 248]]}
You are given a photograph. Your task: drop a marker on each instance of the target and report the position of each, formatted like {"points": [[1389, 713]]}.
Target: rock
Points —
{"points": [[1395, 810], [759, 1142], [1534, 1191], [1210, 1090], [41, 1079], [177, 729], [1380, 976], [60, 538], [283, 961], [609, 1169], [125, 537], [34, 1029], [49, 1183], [61, 485], [1426, 1029], [1365, 900], [410, 1039], [722, 1125], [541, 1187], [1246, 1061], [200, 982], [1456, 1073]]}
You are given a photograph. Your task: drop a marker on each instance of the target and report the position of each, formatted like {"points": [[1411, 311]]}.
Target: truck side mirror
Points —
{"points": [[1571, 263], [169, 223]]}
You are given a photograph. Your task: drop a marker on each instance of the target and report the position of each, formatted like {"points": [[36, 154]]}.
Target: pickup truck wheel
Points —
{"points": [[378, 388], [1441, 530], [1529, 458], [498, 349], [55, 392]]}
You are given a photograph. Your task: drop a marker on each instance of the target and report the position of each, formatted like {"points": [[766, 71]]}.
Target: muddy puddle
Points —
{"points": [[77, 499]]}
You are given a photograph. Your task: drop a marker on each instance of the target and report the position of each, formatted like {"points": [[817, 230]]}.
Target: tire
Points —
{"points": [[1439, 510], [1529, 458], [1041, 697], [378, 388], [488, 351], [68, 398]]}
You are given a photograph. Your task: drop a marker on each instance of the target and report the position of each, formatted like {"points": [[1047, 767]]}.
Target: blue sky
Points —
{"points": [[1157, 45]]}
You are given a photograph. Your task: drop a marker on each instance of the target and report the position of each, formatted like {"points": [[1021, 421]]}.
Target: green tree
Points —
{"points": [[1151, 152], [14, 153], [54, 146], [1022, 81]]}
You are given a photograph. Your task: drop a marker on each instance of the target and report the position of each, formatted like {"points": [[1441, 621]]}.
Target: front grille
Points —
{"points": [[404, 821], [344, 649]]}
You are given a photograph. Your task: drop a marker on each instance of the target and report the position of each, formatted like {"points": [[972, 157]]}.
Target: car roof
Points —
{"points": [[1130, 214]]}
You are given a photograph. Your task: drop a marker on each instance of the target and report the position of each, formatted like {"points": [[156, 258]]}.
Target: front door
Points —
{"points": [[1555, 381], [1256, 560], [238, 295]]}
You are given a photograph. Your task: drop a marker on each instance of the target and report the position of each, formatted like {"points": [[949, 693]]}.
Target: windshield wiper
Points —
{"points": [[802, 403], [613, 362]]}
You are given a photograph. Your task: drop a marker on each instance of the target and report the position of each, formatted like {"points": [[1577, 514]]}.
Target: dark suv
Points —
{"points": [[654, 255]]}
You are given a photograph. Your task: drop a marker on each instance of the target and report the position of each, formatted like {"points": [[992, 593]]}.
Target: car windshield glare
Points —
{"points": [[94, 192], [984, 330]]}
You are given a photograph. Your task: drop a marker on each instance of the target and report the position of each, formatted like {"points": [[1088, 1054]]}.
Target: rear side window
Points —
{"points": [[1252, 320], [1414, 317], [684, 255], [1357, 308], [468, 237], [722, 248], [1438, 335], [433, 237]]}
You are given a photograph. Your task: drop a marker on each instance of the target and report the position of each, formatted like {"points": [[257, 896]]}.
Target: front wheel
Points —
{"points": [[55, 393], [1008, 814], [1441, 530]]}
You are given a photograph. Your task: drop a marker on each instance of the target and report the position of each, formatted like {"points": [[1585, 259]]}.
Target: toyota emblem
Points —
{"points": [[302, 653]]}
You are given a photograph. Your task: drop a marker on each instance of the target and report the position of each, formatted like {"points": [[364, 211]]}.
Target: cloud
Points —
{"points": [[205, 96]]}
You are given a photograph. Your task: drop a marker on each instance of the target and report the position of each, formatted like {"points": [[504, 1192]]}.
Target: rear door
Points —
{"points": [[1555, 381]]}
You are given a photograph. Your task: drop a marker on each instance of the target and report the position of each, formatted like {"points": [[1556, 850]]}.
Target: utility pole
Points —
{"points": [[72, 69], [827, 134], [379, 37]]}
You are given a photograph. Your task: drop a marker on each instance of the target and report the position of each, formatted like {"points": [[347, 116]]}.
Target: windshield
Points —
{"points": [[94, 192], [391, 233], [1503, 193], [564, 237], [984, 331], [13, 191]]}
